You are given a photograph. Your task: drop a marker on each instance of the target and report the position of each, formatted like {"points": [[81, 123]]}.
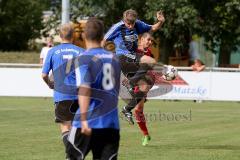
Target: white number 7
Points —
{"points": [[69, 62]]}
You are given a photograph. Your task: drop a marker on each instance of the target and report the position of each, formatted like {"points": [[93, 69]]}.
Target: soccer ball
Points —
{"points": [[169, 73]]}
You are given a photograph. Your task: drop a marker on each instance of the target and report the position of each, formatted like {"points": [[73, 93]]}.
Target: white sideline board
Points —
{"points": [[219, 86], [23, 82], [206, 85]]}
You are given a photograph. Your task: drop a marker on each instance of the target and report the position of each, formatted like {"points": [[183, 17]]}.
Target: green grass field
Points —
{"points": [[181, 130]]}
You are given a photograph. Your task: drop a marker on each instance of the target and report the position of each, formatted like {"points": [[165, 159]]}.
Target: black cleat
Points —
{"points": [[128, 116]]}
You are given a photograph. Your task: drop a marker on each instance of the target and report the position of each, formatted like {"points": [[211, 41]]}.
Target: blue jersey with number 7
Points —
{"points": [[60, 59], [100, 70]]}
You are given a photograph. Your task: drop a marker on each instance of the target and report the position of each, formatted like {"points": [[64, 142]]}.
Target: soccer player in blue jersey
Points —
{"points": [[96, 124], [134, 66], [60, 61]]}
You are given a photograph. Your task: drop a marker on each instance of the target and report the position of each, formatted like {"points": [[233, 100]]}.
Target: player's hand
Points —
{"points": [[85, 129], [51, 84], [160, 17]]}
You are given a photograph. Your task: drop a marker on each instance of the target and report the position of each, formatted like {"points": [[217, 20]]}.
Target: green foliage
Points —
{"points": [[220, 25], [181, 21], [110, 11], [217, 21], [20, 21], [220, 21]]}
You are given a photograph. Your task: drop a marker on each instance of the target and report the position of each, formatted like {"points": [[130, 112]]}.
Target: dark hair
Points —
{"points": [[199, 61], [94, 30], [130, 16], [66, 31]]}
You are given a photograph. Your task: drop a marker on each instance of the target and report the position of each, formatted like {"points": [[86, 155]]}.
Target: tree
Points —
{"points": [[181, 21], [220, 25], [110, 11], [215, 20], [20, 21]]}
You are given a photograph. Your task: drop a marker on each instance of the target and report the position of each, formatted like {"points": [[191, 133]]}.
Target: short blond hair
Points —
{"points": [[130, 15], [66, 31]]}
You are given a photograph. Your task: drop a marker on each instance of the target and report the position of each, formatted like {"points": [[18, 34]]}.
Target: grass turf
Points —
{"points": [[180, 130], [19, 57]]}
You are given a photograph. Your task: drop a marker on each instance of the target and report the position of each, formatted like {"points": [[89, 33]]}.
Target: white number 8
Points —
{"points": [[107, 81]]}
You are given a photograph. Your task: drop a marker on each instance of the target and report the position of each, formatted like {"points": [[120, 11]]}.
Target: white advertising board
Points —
{"points": [[23, 82], [202, 86], [191, 86]]}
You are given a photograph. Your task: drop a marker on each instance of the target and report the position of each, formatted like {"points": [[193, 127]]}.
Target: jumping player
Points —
{"points": [[124, 34], [59, 60], [96, 124]]}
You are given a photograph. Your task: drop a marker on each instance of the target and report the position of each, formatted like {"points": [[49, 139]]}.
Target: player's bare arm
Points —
{"points": [[161, 20], [84, 94], [48, 81], [41, 61]]}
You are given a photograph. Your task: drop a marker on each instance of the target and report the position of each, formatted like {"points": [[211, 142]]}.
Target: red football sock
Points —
{"points": [[140, 119]]}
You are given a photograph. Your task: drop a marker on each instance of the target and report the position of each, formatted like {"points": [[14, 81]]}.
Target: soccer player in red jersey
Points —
{"points": [[144, 49]]}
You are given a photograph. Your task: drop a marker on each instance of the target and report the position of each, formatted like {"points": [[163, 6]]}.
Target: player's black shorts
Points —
{"points": [[103, 143], [132, 69], [65, 110], [129, 63]]}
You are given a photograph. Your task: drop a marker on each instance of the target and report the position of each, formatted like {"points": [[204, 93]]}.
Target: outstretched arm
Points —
{"points": [[160, 19]]}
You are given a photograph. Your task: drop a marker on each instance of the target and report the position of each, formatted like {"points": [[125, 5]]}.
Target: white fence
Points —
{"points": [[211, 84]]}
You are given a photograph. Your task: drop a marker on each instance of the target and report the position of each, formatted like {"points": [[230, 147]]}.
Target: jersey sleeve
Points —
{"points": [[82, 70], [113, 32], [142, 27], [47, 66]]}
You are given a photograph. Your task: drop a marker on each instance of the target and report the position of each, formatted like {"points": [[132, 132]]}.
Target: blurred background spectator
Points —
{"points": [[198, 65], [49, 44], [193, 49]]}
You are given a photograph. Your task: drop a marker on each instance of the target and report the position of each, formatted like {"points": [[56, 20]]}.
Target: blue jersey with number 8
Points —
{"points": [[100, 70]]}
